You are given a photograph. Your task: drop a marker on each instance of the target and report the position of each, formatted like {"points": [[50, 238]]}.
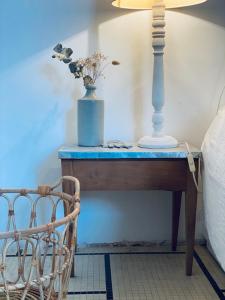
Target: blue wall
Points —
{"points": [[38, 108]]}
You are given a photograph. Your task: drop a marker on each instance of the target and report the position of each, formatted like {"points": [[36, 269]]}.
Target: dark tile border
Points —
{"points": [[108, 278], [211, 280]]}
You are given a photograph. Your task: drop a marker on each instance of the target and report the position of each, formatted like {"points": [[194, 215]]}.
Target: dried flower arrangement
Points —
{"points": [[90, 68]]}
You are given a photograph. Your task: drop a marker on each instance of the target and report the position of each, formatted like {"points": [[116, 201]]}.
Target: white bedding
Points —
{"points": [[214, 186]]}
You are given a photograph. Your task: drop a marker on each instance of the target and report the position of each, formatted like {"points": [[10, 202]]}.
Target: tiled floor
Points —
{"points": [[122, 273], [142, 273]]}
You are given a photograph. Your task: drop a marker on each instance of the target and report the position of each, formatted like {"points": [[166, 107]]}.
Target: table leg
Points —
{"points": [[190, 220], [175, 217]]}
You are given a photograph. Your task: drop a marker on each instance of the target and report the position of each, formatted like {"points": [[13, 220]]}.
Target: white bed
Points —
{"points": [[213, 149]]}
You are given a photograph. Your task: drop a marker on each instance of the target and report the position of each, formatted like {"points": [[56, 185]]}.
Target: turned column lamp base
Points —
{"points": [[157, 140], [165, 141]]}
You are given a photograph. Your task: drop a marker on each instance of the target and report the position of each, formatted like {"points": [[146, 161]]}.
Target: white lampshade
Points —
{"points": [[147, 4]]}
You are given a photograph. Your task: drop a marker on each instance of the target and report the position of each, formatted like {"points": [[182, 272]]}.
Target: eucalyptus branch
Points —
{"points": [[90, 68]]}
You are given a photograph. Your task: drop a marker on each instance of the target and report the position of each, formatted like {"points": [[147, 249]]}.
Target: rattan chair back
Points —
{"points": [[36, 261]]}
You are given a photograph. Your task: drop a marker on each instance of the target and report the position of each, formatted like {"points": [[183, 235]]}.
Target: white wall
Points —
{"points": [[38, 107]]}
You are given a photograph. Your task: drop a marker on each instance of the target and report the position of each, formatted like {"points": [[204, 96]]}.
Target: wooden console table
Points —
{"points": [[101, 169]]}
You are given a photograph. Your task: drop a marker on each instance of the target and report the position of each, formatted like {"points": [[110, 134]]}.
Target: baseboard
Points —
{"points": [[138, 244]]}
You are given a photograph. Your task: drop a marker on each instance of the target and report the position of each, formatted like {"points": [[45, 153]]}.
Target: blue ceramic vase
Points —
{"points": [[90, 119]]}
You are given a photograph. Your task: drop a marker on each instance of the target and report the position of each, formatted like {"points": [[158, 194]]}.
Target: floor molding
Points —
{"points": [[87, 293], [130, 253]]}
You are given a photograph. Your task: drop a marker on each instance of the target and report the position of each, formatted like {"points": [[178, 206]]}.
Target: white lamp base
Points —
{"points": [[165, 141]]}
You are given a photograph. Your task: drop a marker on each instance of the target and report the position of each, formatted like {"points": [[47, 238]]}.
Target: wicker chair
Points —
{"points": [[36, 262]]}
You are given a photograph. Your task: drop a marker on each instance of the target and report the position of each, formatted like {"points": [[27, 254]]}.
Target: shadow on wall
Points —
{"points": [[67, 22], [93, 46], [26, 29], [212, 11], [37, 25], [23, 20], [49, 170]]}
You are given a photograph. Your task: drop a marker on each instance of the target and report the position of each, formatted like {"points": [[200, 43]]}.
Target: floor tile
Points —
{"points": [[157, 277], [90, 273]]}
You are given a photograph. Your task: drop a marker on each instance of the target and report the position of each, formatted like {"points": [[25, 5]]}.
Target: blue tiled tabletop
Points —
{"points": [[76, 152]]}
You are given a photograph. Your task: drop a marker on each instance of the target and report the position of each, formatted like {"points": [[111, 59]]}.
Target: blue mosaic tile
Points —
{"points": [[76, 152]]}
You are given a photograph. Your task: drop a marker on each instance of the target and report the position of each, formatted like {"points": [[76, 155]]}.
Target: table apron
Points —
{"points": [[128, 174]]}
